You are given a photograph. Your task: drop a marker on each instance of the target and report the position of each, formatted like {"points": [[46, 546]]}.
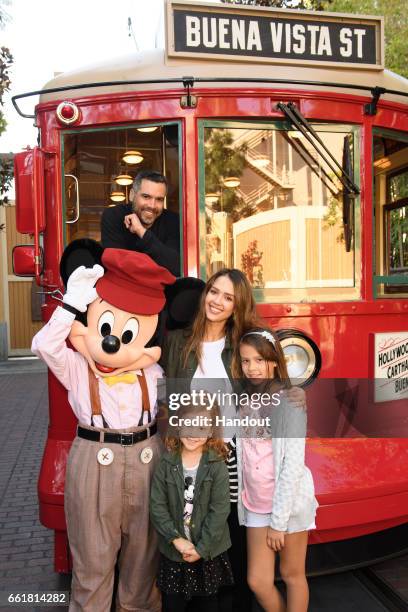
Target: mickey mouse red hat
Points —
{"points": [[133, 282]]}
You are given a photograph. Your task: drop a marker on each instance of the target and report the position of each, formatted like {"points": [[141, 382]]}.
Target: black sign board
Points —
{"points": [[274, 35]]}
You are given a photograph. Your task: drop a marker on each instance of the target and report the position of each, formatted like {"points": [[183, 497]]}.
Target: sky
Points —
{"points": [[49, 36]]}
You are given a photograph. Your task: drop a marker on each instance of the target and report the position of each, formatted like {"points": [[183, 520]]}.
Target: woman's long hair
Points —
{"points": [[244, 315], [266, 343]]}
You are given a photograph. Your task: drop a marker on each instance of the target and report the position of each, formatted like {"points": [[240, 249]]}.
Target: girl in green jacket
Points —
{"points": [[225, 312], [189, 507]]}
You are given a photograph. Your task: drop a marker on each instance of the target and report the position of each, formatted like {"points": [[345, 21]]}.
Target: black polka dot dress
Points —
{"points": [[200, 578]]}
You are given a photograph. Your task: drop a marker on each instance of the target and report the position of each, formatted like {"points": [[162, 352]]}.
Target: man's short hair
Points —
{"points": [[148, 175]]}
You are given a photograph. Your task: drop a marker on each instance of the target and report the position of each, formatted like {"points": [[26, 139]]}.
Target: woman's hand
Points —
{"points": [[191, 555], [182, 545], [297, 396], [275, 539]]}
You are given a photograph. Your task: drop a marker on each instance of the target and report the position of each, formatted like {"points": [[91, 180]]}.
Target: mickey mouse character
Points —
{"points": [[109, 317]]}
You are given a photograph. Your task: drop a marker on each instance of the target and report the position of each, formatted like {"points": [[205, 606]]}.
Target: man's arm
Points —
{"points": [[164, 253], [113, 234]]}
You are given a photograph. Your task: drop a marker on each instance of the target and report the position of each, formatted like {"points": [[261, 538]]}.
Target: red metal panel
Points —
{"points": [[321, 536], [24, 260], [191, 214], [29, 182]]}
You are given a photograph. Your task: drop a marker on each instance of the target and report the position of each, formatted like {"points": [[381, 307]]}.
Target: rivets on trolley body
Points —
{"points": [[105, 456]]}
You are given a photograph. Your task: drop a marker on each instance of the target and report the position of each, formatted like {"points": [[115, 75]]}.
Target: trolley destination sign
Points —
{"points": [[273, 35]]}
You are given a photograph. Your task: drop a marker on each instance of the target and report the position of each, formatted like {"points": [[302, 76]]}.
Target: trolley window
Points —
{"points": [[95, 159], [273, 208], [391, 214]]}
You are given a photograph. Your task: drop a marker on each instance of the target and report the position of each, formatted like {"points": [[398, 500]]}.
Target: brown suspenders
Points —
{"points": [[96, 400], [94, 393], [145, 398]]}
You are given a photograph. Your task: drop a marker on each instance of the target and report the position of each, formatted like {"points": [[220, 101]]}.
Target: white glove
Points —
{"points": [[81, 287]]}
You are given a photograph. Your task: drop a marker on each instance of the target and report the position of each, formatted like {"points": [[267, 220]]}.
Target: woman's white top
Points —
{"points": [[211, 365], [212, 369]]}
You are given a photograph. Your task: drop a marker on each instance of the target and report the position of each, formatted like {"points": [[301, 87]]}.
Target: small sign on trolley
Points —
{"points": [[391, 366]]}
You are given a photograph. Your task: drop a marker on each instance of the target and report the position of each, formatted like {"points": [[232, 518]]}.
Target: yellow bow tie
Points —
{"points": [[127, 377]]}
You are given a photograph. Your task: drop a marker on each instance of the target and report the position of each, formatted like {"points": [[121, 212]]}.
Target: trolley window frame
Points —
{"points": [[398, 281], [122, 127], [282, 125]]}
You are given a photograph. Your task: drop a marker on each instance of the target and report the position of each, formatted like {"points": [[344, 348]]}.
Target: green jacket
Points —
{"points": [[209, 528], [172, 357]]}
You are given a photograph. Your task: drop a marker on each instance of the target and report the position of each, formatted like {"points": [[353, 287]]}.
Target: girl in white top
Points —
{"points": [[276, 499]]}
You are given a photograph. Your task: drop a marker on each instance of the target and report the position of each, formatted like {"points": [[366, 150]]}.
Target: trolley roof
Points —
{"points": [[153, 65]]}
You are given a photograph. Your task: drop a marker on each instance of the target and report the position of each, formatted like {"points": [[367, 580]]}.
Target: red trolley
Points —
{"points": [[285, 143]]}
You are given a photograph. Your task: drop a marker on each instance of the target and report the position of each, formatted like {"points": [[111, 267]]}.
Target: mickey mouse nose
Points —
{"points": [[111, 344]]}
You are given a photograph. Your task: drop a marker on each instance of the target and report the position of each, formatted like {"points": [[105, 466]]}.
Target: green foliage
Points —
{"points": [[398, 223], [333, 216], [396, 26], [6, 60], [395, 16], [398, 231], [223, 160], [6, 176], [295, 4]]}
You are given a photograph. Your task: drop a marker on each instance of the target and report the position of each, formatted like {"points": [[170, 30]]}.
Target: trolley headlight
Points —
{"points": [[303, 357]]}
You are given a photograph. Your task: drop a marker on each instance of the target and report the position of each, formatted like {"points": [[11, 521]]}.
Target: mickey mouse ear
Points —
{"points": [[81, 252], [182, 301]]}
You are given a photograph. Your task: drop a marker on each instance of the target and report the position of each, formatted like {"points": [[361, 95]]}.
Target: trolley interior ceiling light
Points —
{"points": [[151, 128], [124, 179], [133, 157], [117, 196]]}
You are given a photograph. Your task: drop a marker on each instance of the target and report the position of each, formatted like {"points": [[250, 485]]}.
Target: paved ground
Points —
{"points": [[26, 548]]}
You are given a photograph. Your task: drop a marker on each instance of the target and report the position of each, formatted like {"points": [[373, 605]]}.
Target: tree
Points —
{"points": [[6, 166], [394, 11], [223, 160], [396, 26], [295, 4]]}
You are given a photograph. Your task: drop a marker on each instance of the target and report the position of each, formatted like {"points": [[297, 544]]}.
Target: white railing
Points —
{"points": [[251, 137], [256, 195], [281, 177]]}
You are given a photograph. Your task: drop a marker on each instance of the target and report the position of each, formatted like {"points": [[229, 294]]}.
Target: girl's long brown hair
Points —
{"points": [[268, 351], [215, 442], [243, 317]]}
